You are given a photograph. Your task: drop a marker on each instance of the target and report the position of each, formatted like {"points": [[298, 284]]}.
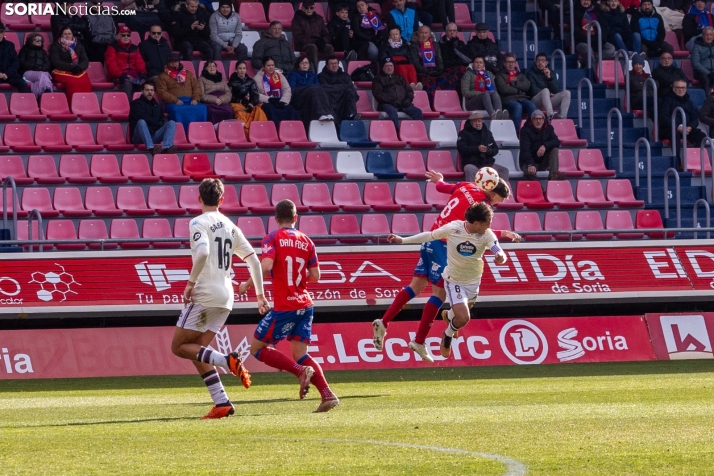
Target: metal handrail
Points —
{"points": [[619, 133], [590, 108], [525, 44], [684, 134], [655, 121], [508, 22], [552, 66], [666, 190], [622, 53], [15, 204], [572, 25], [643, 140], [588, 27], [702, 147], [483, 10], [694, 215], [40, 229]]}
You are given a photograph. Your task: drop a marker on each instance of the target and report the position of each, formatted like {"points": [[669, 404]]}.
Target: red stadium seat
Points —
{"points": [[3, 148], [132, 201], [282, 12], [74, 168], [560, 192], [509, 204], [252, 227], [95, 230], [86, 106], [434, 197], [385, 133], [411, 164], [320, 165], [5, 115], [342, 224], [414, 133], [501, 221], [463, 16], [608, 73], [233, 134], [197, 166], [55, 106], [181, 229], [162, 198], [180, 141], [448, 104], [293, 132], [159, 228], [136, 167], [116, 105], [441, 161], [19, 138], [379, 197], [530, 194], [405, 224], [112, 137], [168, 167], [16, 22], [679, 52], [375, 224], [264, 134], [408, 195], [38, 198], [126, 228], [203, 136], [80, 137], [591, 162], [42, 21], [651, 219], [622, 220], [686, 66], [620, 192], [12, 166], [566, 163], [24, 106], [188, 199], [188, 66], [101, 201], [565, 130], [43, 169], [317, 197], [290, 166], [231, 203], [591, 221], [364, 106], [590, 193], [348, 197], [12, 37], [260, 166], [8, 198], [253, 15], [64, 230], [98, 77], [255, 197], [314, 225], [227, 165], [68, 200], [49, 137], [559, 221], [289, 191], [421, 100], [523, 222], [694, 162], [105, 168]]}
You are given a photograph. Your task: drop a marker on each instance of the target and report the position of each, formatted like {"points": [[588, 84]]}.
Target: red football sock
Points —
{"points": [[318, 379], [431, 310], [402, 298], [278, 360]]}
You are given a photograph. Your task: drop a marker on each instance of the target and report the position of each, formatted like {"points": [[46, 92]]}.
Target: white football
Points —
{"points": [[486, 178]]}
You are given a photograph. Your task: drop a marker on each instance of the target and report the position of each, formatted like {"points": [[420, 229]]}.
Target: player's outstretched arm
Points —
{"points": [[434, 177], [514, 237], [392, 238], [199, 261]]}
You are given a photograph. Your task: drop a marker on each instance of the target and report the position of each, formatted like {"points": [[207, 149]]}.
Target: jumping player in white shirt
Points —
{"points": [[209, 295], [466, 241]]}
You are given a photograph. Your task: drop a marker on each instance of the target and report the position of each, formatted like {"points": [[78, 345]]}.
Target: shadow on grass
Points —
{"points": [[431, 373]]}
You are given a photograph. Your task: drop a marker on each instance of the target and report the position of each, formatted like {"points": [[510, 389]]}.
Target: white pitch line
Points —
{"points": [[513, 467]]}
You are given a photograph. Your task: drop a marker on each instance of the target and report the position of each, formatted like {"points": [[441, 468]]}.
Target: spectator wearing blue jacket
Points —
{"points": [[308, 97], [648, 31], [405, 17]]}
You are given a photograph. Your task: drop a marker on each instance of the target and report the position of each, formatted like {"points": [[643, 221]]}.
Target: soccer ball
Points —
{"points": [[486, 178]]}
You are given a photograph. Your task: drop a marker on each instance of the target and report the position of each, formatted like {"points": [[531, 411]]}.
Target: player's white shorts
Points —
{"points": [[196, 317], [460, 293]]}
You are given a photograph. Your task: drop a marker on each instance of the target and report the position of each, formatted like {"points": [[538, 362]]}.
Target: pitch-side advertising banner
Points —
{"points": [[68, 353], [679, 336], [358, 276]]}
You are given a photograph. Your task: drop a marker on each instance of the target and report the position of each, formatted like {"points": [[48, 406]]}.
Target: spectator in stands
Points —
{"points": [[679, 98], [696, 19], [69, 64], [482, 45], [103, 31], [706, 114], [310, 34], [341, 90], [425, 55], [545, 91], [146, 15], [307, 96], [190, 30], [227, 32], [215, 93], [35, 64], [617, 25], [477, 148], [513, 88], [392, 94], [397, 49], [539, 148], [125, 65], [648, 31], [454, 50], [9, 64], [155, 50], [369, 32], [405, 17], [478, 87], [341, 33], [273, 44], [703, 58], [666, 73], [245, 100], [78, 25], [147, 123], [637, 86], [274, 92], [584, 13], [178, 89]]}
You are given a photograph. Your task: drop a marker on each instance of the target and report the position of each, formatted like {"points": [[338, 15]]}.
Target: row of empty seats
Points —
{"points": [[588, 193]]}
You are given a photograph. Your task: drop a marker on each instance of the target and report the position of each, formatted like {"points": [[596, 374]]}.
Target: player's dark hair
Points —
{"points": [[210, 191], [478, 212], [285, 211], [502, 189]]}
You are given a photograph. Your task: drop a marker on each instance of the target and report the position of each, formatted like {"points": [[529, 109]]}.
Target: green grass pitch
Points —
{"points": [[649, 418]]}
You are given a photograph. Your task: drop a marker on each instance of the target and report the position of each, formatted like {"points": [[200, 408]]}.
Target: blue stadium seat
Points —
{"points": [[381, 164], [355, 134]]}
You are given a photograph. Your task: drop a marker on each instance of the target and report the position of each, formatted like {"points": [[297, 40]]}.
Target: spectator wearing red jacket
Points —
{"points": [[125, 65]]}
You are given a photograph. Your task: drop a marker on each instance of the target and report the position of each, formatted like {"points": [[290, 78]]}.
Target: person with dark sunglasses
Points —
{"points": [[155, 50], [125, 65]]}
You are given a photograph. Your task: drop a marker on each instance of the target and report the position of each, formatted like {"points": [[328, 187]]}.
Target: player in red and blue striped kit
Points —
{"points": [[432, 260], [289, 257]]}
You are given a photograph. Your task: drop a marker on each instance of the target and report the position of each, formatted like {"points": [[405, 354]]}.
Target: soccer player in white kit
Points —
{"points": [[466, 241], [209, 295]]}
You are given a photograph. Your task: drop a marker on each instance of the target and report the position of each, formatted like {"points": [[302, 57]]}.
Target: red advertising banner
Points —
{"points": [[62, 353], [357, 276], [682, 336]]}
